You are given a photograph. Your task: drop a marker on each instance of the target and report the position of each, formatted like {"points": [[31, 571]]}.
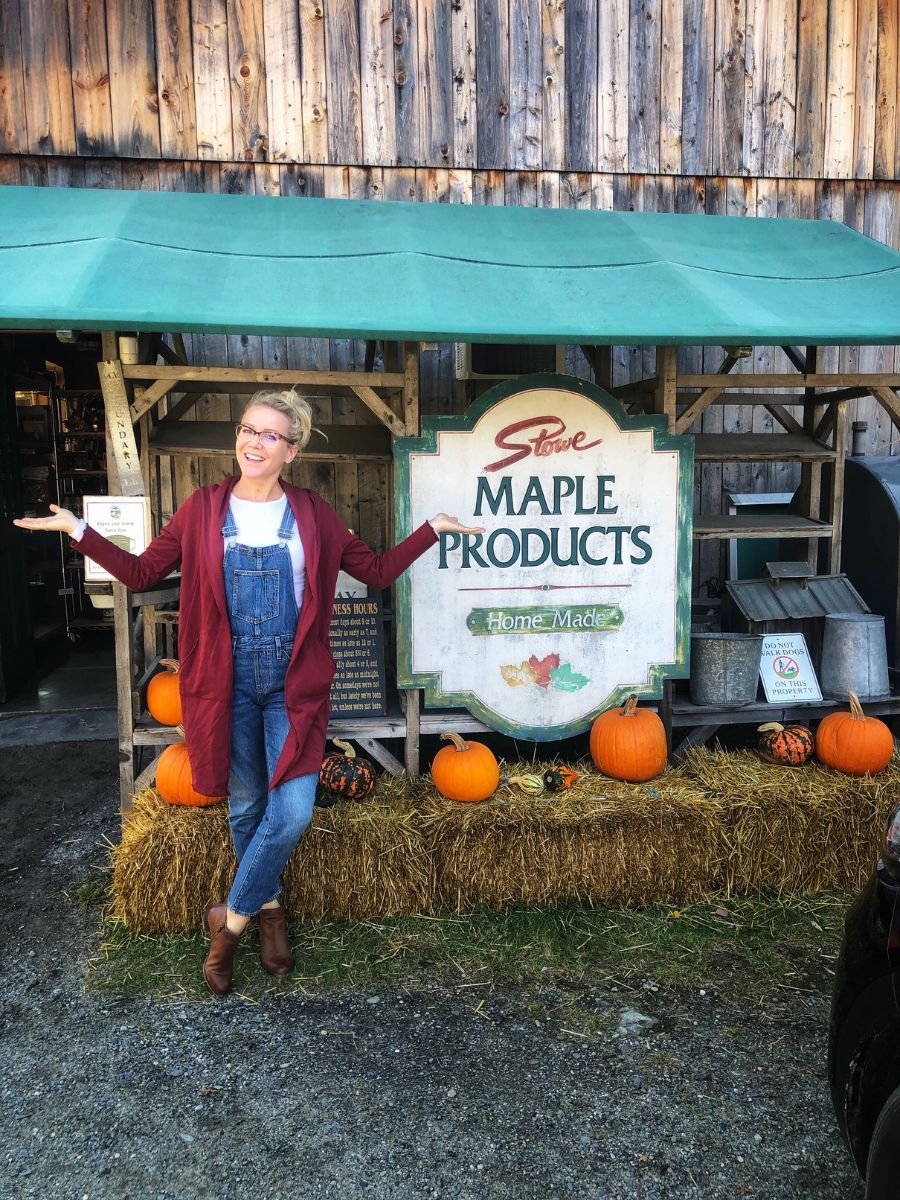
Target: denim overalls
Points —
{"points": [[262, 608]]}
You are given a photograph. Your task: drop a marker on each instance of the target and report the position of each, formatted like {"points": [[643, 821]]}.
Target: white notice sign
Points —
{"points": [[786, 670], [122, 520]]}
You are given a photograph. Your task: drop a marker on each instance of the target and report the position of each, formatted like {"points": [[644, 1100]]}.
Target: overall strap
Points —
{"points": [[229, 529], [286, 528]]}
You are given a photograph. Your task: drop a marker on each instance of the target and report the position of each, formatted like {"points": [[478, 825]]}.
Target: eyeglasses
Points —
{"points": [[267, 437]]}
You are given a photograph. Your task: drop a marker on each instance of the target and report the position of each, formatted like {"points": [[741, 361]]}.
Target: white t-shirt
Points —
{"points": [[257, 525]]}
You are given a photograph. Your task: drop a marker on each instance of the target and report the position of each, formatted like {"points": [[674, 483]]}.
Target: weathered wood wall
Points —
{"points": [[771, 88]]}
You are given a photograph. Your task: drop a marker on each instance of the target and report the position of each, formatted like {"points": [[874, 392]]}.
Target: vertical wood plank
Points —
{"points": [[10, 175], [643, 99], [283, 78], [812, 67], [102, 173], [492, 83], [582, 85], [866, 91], [780, 93], [406, 84], [376, 49], [343, 82], [755, 85], [249, 118], [212, 93], [49, 109], [465, 100], [728, 88], [436, 87], [886, 142], [525, 84], [175, 79], [90, 78], [553, 40], [841, 83], [697, 94], [13, 130], [671, 85], [313, 81], [132, 79]]}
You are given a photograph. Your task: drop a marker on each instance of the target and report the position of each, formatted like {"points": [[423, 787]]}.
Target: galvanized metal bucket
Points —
{"points": [[854, 656], [725, 668]]}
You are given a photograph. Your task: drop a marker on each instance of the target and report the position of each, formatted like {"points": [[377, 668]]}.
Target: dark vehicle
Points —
{"points": [[864, 1038]]}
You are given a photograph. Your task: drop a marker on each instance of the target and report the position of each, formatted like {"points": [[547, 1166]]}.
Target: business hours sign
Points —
{"points": [[578, 591]]}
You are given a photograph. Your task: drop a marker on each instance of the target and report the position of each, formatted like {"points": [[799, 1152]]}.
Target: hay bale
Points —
{"points": [[794, 829], [603, 841], [354, 861], [172, 863]]}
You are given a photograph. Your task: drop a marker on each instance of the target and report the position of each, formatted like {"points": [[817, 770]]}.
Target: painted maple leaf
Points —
{"points": [[517, 676], [542, 668], [568, 680]]}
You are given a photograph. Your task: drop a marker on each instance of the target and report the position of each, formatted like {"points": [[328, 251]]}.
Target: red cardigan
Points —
{"points": [[193, 539]]}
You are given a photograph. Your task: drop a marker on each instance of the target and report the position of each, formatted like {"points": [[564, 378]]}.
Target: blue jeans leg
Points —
{"points": [[248, 781], [287, 813]]}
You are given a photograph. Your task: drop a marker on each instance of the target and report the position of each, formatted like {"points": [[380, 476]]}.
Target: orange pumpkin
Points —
{"points": [[173, 779], [164, 695], [854, 743], [629, 743], [465, 770]]}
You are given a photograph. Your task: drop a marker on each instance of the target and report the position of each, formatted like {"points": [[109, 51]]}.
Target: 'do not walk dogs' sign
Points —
{"points": [[578, 591]]}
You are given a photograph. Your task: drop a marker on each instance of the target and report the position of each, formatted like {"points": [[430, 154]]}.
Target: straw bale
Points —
{"points": [[172, 863], [794, 829], [603, 841], [356, 860]]}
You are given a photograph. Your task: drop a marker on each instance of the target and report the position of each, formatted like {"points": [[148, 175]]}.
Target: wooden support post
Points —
{"points": [[411, 388], [123, 627], [811, 473], [667, 383], [837, 485], [411, 755], [381, 755]]}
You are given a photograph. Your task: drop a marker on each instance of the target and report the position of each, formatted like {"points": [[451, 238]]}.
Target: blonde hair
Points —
{"points": [[294, 407]]}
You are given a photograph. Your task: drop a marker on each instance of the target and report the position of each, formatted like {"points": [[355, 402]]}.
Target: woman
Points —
{"points": [[259, 560]]}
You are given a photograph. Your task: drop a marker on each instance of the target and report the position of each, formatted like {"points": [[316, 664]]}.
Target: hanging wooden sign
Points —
{"points": [[578, 591]]}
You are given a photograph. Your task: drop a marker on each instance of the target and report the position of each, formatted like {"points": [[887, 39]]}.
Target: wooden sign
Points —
{"points": [[786, 670], [578, 591], [357, 644]]}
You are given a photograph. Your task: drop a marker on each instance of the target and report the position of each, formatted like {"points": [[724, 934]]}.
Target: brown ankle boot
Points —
{"points": [[274, 948], [219, 962]]}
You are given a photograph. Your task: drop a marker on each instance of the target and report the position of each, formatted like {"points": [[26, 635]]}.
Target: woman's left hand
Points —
{"points": [[443, 523]]}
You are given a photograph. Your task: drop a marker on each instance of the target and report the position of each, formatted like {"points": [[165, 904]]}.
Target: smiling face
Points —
{"points": [[256, 460]]}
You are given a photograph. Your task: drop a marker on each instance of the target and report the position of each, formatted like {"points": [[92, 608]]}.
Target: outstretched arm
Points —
{"points": [[137, 571], [380, 570]]}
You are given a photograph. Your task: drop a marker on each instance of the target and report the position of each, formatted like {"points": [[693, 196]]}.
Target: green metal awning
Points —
{"points": [[87, 259]]}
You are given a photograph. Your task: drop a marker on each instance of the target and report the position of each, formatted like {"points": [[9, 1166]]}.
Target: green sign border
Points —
{"points": [[683, 444]]}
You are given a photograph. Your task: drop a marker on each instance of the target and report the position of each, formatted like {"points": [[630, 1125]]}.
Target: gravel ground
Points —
{"points": [[392, 1094]]}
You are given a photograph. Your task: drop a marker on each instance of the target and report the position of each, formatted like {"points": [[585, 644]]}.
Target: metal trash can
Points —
{"points": [[725, 668], [854, 656]]}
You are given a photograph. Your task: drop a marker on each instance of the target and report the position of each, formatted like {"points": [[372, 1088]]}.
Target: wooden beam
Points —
{"points": [[690, 414], [823, 430], [150, 396], [164, 350], [667, 376], [818, 380], [319, 379], [180, 407], [381, 409], [795, 357], [784, 418], [889, 402], [411, 749], [381, 755], [837, 487], [411, 388], [123, 454]]}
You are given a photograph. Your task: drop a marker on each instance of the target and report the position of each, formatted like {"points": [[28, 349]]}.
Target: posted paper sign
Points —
{"points": [[786, 671], [578, 591], [121, 519]]}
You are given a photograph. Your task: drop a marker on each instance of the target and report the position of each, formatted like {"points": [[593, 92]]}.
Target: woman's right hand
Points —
{"points": [[62, 519]]}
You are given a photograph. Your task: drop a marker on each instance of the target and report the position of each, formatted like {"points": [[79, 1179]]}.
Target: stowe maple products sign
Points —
{"points": [[578, 591]]}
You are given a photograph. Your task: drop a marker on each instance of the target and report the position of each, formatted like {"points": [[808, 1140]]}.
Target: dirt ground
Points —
{"points": [[402, 1093]]}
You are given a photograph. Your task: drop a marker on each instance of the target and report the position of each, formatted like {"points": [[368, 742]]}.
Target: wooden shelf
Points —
{"points": [[686, 714], [760, 447], [759, 525], [348, 443]]}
